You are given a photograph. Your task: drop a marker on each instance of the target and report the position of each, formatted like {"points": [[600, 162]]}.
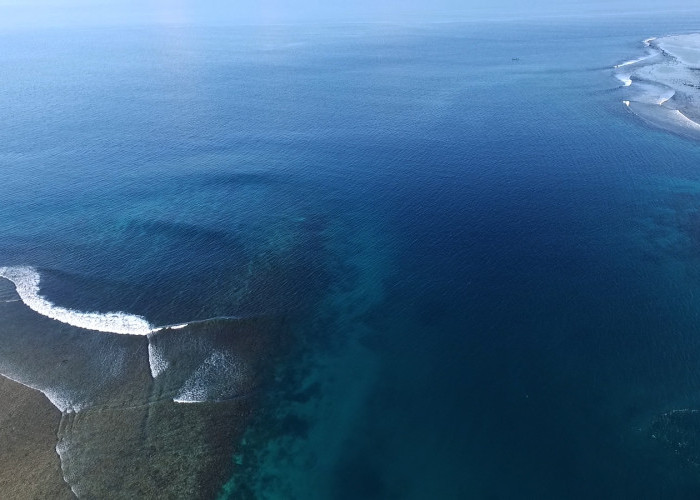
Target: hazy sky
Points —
{"points": [[73, 12]]}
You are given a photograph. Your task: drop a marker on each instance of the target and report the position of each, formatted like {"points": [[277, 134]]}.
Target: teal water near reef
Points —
{"points": [[479, 276]]}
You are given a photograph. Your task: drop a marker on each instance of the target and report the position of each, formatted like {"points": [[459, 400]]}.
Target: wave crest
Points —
{"points": [[26, 280]]}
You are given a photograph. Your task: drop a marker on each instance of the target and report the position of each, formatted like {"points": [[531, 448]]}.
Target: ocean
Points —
{"points": [[355, 261]]}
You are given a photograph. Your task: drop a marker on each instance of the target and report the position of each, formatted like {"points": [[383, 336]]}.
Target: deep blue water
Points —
{"points": [[493, 269]]}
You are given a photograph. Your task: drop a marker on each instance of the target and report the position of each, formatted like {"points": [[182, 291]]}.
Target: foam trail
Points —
{"points": [[180, 326], [62, 452], [626, 79], [628, 63], [218, 378], [687, 121], [634, 61], [666, 97], [26, 281], [63, 402], [156, 361]]}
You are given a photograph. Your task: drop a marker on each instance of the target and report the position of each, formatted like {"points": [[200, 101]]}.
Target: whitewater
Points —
{"points": [[661, 86], [204, 384], [26, 280]]}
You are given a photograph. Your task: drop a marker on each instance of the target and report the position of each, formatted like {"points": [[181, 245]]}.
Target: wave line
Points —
{"points": [[26, 280]]}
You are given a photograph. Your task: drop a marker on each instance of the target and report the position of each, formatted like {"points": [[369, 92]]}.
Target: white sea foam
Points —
{"points": [[665, 91], [683, 48], [665, 97], [60, 400], [625, 78], [26, 281], [631, 62], [217, 378], [635, 61], [177, 327], [666, 118], [687, 121], [626, 63], [62, 452], [156, 360]]}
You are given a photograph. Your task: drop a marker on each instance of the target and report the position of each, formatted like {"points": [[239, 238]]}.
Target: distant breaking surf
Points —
{"points": [[661, 87], [26, 280]]}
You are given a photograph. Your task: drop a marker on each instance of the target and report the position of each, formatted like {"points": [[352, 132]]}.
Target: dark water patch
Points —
{"points": [[305, 395], [288, 439], [278, 424], [357, 478], [7, 291], [678, 432], [182, 235], [295, 426], [218, 274]]}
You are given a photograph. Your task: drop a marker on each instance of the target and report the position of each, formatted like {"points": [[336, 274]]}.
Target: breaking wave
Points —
{"points": [[634, 61], [661, 86], [218, 378], [26, 280]]}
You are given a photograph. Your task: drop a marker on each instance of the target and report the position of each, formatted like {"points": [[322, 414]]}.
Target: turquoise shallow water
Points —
{"points": [[476, 277]]}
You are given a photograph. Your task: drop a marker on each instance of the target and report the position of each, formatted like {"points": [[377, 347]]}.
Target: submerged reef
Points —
{"points": [[662, 87], [136, 416]]}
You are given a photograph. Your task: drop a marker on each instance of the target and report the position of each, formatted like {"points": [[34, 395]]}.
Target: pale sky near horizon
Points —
{"points": [[74, 12]]}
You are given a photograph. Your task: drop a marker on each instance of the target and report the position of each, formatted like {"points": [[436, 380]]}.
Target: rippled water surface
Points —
{"points": [[361, 261]]}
